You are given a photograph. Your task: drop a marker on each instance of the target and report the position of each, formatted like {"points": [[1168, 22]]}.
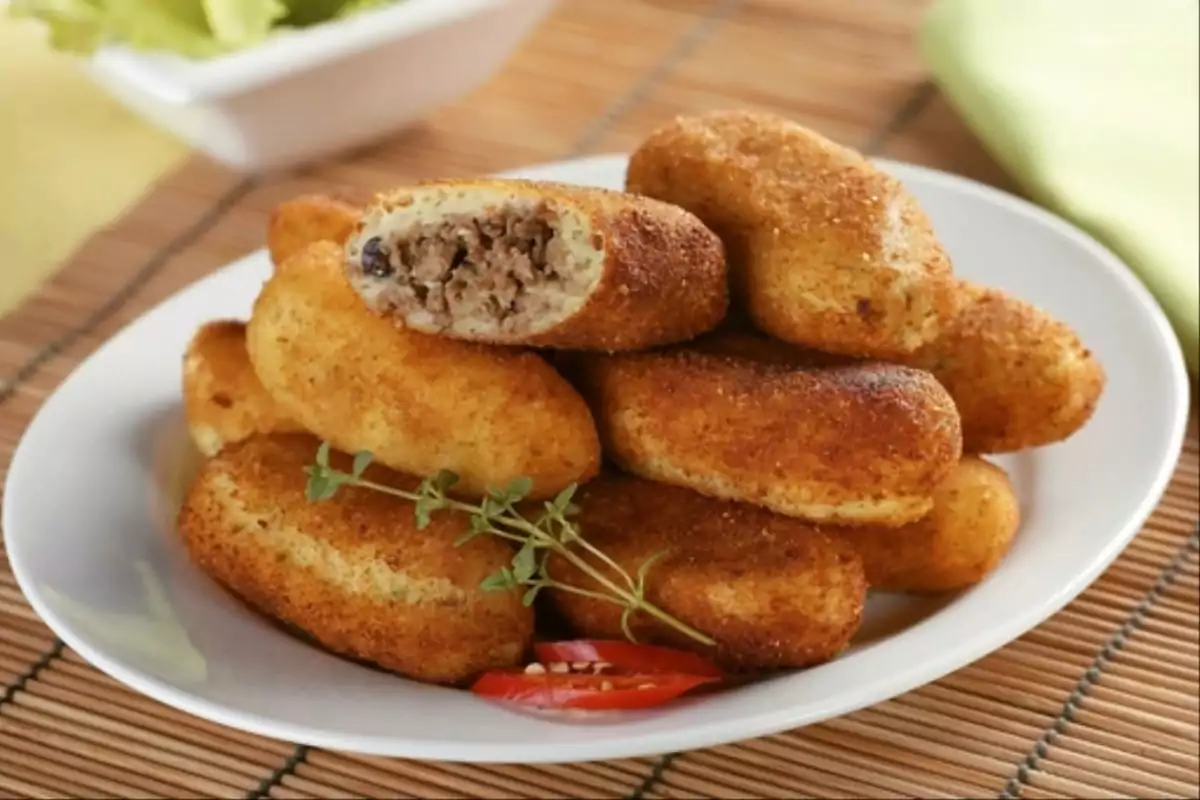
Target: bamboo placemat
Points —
{"points": [[1100, 701]]}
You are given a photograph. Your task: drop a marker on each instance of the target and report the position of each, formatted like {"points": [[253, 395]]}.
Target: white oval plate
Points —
{"points": [[97, 477]]}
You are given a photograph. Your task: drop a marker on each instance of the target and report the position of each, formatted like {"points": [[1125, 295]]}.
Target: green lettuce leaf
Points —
{"points": [[75, 26], [82, 25], [191, 28], [178, 26], [355, 6], [302, 13], [239, 23]]}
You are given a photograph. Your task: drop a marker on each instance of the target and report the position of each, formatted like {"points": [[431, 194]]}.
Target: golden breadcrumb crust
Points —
{"points": [[419, 403], [1020, 377], [663, 278], [295, 224], [852, 443], [774, 592], [354, 571], [825, 250], [974, 520], [223, 400]]}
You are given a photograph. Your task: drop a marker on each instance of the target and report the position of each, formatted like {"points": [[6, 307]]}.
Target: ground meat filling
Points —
{"points": [[502, 271]]}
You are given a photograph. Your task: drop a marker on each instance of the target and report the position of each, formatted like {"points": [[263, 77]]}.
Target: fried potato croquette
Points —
{"points": [[774, 592], [354, 571], [419, 403], [535, 263], [223, 400], [824, 250], [857, 443], [1020, 377], [301, 221], [974, 520]]}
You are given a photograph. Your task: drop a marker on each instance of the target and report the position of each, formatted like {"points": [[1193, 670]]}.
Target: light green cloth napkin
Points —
{"points": [[72, 159], [1093, 107]]}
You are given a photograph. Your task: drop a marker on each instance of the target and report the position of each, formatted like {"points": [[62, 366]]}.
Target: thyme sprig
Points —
{"points": [[550, 532]]}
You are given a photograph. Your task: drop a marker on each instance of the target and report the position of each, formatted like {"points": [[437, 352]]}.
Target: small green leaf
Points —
{"points": [[571, 510], [491, 506], [463, 538], [317, 487], [563, 500], [362, 459], [567, 532], [499, 580], [530, 595], [525, 563], [323, 454], [444, 480], [322, 484], [519, 489], [423, 511], [476, 527]]}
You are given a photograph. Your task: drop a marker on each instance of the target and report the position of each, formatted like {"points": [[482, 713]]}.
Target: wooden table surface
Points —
{"points": [[1099, 701]]}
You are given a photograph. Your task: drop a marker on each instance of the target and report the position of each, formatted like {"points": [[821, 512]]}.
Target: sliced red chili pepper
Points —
{"points": [[592, 692], [627, 657]]}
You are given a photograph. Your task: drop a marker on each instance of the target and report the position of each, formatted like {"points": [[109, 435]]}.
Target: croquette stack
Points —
{"points": [[756, 363]]}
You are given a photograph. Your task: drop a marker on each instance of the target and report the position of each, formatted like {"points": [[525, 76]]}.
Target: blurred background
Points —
{"points": [[1089, 107]]}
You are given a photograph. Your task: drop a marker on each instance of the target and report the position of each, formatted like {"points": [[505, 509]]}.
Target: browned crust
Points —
{"points": [[296, 223], [799, 440], [663, 282], [974, 520], [247, 524], [805, 222], [223, 400], [419, 403], [774, 592], [663, 279], [1020, 377], [741, 342]]}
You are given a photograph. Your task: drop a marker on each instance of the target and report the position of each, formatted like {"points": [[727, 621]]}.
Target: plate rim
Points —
{"points": [[651, 743]]}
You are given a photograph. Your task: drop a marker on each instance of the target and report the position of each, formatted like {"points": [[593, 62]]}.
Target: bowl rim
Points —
{"points": [[174, 80]]}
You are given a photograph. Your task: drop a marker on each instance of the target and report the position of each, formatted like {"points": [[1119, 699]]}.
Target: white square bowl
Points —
{"points": [[309, 93]]}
